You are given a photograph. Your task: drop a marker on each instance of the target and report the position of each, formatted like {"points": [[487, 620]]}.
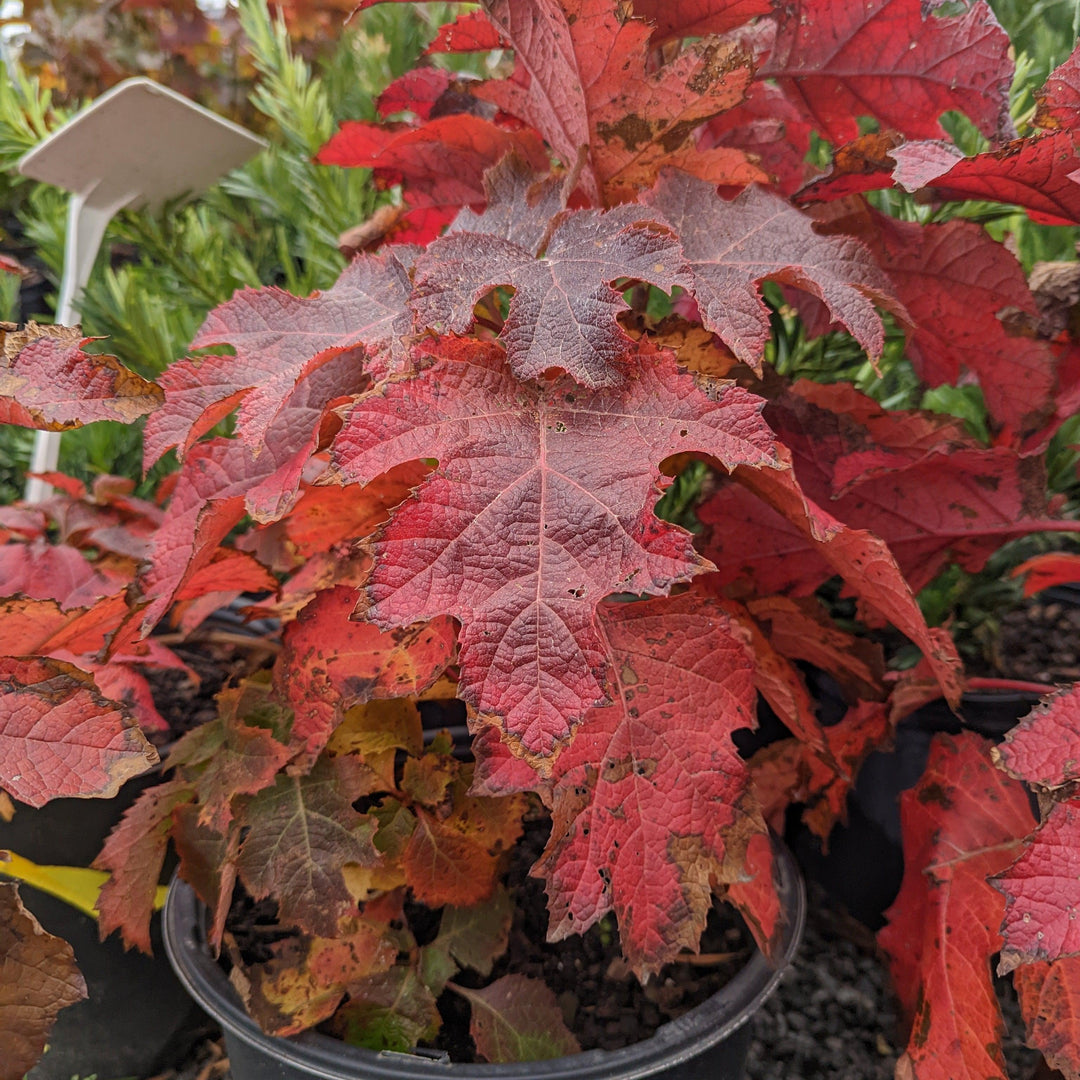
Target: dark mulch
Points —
{"points": [[1039, 641], [834, 1014]]}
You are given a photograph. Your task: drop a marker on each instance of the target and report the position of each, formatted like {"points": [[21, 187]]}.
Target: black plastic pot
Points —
{"points": [[709, 1041], [864, 863]]}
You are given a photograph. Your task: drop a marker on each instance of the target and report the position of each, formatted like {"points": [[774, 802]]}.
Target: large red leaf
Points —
{"points": [[733, 247], [48, 382], [584, 79], [134, 853], [38, 978], [59, 738], [563, 312], [1036, 173], [1042, 892], [330, 663], [302, 832], [566, 486], [275, 337], [842, 59], [651, 805], [963, 821], [1050, 1003], [440, 162]]}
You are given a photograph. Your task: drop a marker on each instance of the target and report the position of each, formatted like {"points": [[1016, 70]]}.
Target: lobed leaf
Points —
{"points": [[650, 802], [733, 247], [566, 482]]}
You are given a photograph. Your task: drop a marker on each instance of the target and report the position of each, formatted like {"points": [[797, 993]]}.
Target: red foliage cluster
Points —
{"points": [[451, 462]]}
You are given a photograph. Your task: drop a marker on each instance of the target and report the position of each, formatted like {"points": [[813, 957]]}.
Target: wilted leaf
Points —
{"points": [[567, 483], [392, 1011], [38, 978], [303, 831], [330, 663], [583, 79], [517, 1019]]}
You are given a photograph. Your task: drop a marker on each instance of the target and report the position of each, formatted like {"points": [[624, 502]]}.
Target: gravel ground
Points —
{"points": [[834, 1016]]}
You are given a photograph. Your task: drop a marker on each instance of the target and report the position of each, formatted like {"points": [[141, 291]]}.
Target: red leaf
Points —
{"points": [[303, 831], [583, 79], [696, 18], [276, 337], [330, 663], [207, 864], [929, 503], [223, 478], [1045, 571], [955, 281], [517, 1019], [48, 382], [568, 480], [1044, 748], [58, 572], [441, 162], [963, 821], [471, 32], [1050, 1003], [59, 738], [563, 312], [134, 854], [783, 536], [1059, 99], [841, 60], [732, 247], [757, 899], [416, 91], [1042, 894], [40, 978], [770, 127], [1035, 173], [651, 805]]}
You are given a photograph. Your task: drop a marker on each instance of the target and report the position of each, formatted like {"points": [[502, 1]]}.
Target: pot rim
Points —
{"points": [[184, 932]]}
